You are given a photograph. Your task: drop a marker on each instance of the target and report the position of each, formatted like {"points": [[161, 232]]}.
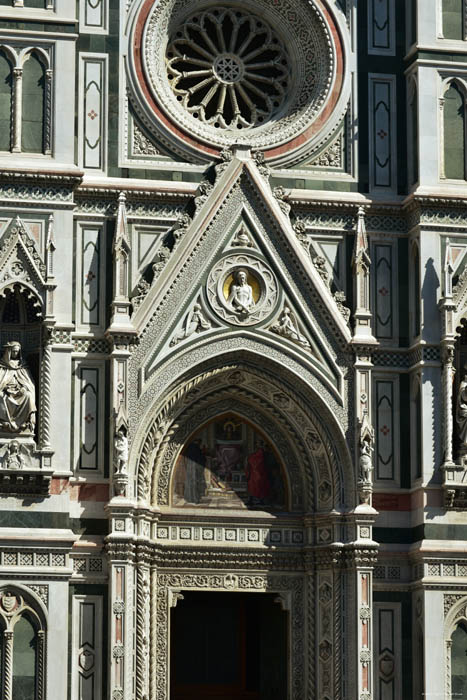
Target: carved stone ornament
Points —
{"points": [[8, 602], [195, 322], [242, 290], [291, 586], [17, 398], [226, 74], [242, 239], [287, 326]]}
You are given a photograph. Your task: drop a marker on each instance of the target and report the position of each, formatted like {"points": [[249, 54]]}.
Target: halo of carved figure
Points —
{"points": [[242, 290]]}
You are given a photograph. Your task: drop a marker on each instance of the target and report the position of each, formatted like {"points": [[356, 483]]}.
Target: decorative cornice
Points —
{"points": [[71, 176]]}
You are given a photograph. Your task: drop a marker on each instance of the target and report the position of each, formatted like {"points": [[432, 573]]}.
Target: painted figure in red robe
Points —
{"points": [[257, 477]]}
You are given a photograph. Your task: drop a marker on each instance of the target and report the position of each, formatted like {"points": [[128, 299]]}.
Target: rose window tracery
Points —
{"points": [[269, 74], [228, 68]]}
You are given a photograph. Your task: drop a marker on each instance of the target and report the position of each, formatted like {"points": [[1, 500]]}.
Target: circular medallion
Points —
{"points": [[242, 290], [263, 72]]}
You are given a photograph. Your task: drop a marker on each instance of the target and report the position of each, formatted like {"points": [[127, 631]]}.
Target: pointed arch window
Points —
{"points": [[22, 647], [6, 91], [25, 641], [25, 101], [458, 665], [454, 132], [33, 98]]}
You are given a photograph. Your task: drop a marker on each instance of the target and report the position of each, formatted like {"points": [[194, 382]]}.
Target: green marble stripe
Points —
{"points": [[51, 521], [40, 26], [429, 531], [24, 519]]}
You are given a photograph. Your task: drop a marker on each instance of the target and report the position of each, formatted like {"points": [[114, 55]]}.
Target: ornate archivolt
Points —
{"points": [[317, 471]]}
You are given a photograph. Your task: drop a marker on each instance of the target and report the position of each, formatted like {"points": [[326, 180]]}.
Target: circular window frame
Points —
{"points": [[229, 69], [293, 137]]}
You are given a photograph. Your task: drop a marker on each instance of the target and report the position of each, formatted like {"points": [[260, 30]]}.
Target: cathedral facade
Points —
{"points": [[233, 329]]}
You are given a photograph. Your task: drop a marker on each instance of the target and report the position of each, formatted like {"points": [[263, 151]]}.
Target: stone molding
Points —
{"points": [[160, 446]]}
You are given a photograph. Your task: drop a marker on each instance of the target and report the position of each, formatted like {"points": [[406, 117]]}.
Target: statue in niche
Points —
{"points": [[17, 393], [461, 413], [365, 468], [365, 463], [241, 293], [120, 452]]}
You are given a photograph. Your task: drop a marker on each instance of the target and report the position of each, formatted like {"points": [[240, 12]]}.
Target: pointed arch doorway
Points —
{"points": [[229, 646]]}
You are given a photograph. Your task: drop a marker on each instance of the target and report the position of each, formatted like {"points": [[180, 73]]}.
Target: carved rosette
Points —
{"points": [[259, 278]]}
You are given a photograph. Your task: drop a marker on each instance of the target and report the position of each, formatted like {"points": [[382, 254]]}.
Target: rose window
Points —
{"points": [[228, 69]]}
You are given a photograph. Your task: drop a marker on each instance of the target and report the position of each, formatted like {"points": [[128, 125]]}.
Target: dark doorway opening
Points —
{"points": [[228, 646]]}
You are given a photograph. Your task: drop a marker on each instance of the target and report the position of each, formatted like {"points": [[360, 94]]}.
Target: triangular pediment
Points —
{"points": [[20, 261], [241, 231]]}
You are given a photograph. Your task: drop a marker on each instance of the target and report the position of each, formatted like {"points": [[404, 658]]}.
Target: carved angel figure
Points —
{"points": [[287, 326], [241, 293], [17, 393], [195, 323]]}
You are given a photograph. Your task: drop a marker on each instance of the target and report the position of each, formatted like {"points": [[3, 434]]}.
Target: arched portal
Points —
{"points": [[311, 442], [201, 530]]}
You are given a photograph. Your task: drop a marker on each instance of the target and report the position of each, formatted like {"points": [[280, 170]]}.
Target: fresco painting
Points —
{"points": [[229, 464]]}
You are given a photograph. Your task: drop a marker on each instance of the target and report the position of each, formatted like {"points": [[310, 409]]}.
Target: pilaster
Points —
{"points": [[121, 578]]}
